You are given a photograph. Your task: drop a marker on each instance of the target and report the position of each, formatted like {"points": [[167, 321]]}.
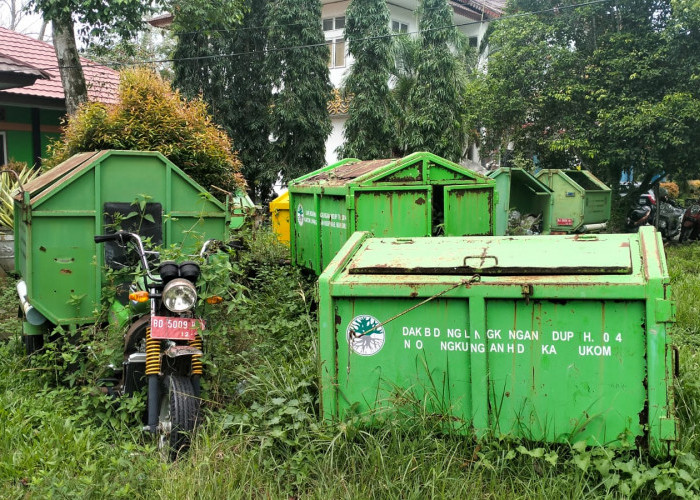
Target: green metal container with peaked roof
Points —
{"points": [[59, 213], [519, 190], [580, 201], [418, 195], [551, 338]]}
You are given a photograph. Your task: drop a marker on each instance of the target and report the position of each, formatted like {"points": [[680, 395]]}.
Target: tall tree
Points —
{"points": [[298, 65], [225, 63], [99, 20], [612, 88], [369, 130], [435, 107]]}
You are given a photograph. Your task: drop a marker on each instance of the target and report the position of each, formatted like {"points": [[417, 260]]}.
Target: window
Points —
{"points": [[473, 41], [334, 23], [399, 27], [3, 150], [336, 53]]}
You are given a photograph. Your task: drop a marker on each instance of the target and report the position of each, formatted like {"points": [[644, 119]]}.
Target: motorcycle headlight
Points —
{"points": [[179, 295]]}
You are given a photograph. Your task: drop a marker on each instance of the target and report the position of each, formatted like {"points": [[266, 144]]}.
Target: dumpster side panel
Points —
{"points": [[333, 222], [567, 205], [62, 284], [597, 207], [403, 364], [127, 178], [503, 182], [566, 371], [404, 212], [306, 237], [468, 211]]}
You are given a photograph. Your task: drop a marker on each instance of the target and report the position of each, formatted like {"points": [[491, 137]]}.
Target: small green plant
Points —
{"points": [[12, 176]]}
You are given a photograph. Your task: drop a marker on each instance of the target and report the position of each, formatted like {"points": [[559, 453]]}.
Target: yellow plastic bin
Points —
{"points": [[279, 208]]}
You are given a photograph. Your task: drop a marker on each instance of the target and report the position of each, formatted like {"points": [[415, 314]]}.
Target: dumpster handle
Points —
{"points": [[482, 257]]}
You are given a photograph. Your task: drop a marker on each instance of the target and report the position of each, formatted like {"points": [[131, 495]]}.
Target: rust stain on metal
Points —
{"points": [[42, 249], [420, 201], [343, 174], [625, 244], [66, 271]]}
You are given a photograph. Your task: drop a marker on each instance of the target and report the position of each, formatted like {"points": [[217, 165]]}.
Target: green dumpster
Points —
{"points": [[580, 202], [58, 214], [519, 190], [501, 335], [419, 195]]}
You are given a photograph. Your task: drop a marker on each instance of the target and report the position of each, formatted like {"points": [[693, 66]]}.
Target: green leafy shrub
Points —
{"points": [[9, 183], [150, 116]]}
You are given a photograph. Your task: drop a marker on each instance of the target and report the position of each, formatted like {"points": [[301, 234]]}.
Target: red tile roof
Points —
{"points": [[102, 81]]}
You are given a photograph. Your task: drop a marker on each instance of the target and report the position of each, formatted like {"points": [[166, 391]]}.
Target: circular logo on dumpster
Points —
{"points": [[300, 215], [365, 335]]}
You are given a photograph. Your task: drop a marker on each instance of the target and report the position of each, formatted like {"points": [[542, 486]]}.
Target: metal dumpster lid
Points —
{"points": [[524, 255]]}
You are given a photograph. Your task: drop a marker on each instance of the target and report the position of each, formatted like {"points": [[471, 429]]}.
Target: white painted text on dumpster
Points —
{"points": [[510, 341]]}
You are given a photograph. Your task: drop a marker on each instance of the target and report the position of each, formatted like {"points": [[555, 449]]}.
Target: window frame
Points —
{"points": [[334, 23], [3, 148], [401, 25], [332, 44]]}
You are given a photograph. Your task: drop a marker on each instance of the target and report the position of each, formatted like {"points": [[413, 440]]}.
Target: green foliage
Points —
{"points": [[236, 88], [150, 116], [9, 185], [98, 19], [263, 437], [434, 108], [300, 120], [612, 89], [369, 131]]}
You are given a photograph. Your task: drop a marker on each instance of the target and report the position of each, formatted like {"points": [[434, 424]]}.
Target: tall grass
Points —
{"points": [[263, 437]]}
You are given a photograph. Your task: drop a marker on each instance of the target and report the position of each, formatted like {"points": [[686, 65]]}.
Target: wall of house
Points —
{"points": [[16, 124], [335, 139]]}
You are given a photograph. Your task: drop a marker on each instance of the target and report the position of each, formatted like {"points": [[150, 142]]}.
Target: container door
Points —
{"points": [[393, 212], [468, 211]]}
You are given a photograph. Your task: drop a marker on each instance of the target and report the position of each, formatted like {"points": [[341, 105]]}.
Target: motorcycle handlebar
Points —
{"points": [[101, 238]]}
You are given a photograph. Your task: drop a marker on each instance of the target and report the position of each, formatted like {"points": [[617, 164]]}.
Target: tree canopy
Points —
{"points": [[225, 64], [297, 63], [612, 87], [369, 130], [150, 116]]}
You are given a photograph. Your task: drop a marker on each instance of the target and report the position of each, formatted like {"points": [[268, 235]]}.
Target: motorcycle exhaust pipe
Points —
{"points": [[33, 316]]}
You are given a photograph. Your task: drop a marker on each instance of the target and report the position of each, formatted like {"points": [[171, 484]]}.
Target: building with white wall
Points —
{"points": [[471, 17]]}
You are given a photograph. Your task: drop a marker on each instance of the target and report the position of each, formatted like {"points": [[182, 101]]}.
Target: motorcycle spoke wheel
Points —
{"points": [[177, 419]]}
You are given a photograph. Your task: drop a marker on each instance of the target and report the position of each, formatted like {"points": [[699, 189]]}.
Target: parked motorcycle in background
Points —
{"points": [[691, 222], [641, 214]]}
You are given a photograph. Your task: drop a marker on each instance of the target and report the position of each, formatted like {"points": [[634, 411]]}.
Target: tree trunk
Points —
{"points": [[72, 78]]}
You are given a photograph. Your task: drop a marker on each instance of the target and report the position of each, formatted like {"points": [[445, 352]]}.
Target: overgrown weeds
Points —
{"points": [[60, 437]]}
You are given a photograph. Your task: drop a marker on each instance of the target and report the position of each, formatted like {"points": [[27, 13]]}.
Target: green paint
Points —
{"points": [[54, 227], [419, 195], [567, 346]]}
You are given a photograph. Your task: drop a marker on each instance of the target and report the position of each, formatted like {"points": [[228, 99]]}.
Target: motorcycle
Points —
{"points": [[163, 346], [691, 223], [641, 214], [670, 219]]}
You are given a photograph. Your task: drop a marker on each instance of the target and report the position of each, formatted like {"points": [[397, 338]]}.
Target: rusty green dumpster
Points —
{"points": [[419, 195], [580, 201], [550, 338], [59, 213]]}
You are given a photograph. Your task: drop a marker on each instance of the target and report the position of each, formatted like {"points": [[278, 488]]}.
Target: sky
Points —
{"points": [[29, 24]]}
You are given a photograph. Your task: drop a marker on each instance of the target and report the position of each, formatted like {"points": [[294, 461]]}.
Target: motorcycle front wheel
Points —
{"points": [[177, 419], [686, 232]]}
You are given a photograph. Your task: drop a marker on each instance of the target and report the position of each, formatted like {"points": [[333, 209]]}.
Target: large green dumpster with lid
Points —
{"points": [[580, 201], [418, 195], [519, 190], [59, 213], [552, 338]]}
